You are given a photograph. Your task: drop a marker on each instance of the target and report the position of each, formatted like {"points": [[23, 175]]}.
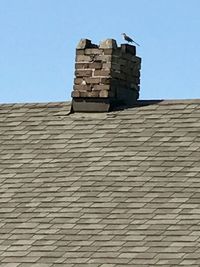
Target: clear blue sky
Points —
{"points": [[38, 40]]}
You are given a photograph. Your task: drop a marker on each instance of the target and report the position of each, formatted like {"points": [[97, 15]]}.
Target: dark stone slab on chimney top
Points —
{"points": [[126, 48], [91, 104]]}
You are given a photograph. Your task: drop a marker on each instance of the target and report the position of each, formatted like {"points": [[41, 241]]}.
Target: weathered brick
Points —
{"points": [[127, 56], [83, 73], [135, 80], [93, 51], [126, 48], [109, 43], [136, 67], [119, 61], [103, 93], [96, 65], [80, 51], [104, 58], [105, 80], [105, 87], [108, 51], [84, 65], [135, 86], [136, 73], [137, 59], [107, 65], [93, 94], [82, 87], [83, 94], [84, 43], [92, 80], [75, 93], [118, 75], [116, 67], [78, 81], [102, 72], [83, 58]]}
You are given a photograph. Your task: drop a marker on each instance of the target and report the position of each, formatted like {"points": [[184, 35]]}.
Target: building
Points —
{"points": [[118, 186]]}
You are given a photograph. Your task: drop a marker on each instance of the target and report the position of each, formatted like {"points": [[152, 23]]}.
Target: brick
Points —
{"points": [[118, 75], [133, 79], [83, 58], [84, 43], [108, 51], [78, 81], [83, 73], [105, 87], [96, 65], [88, 93], [80, 52], [117, 67], [83, 94], [105, 80], [92, 80], [103, 93], [102, 72], [93, 51], [93, 94], [107, 65], [136, 59], [82, 87], [119, 61], [126, 48], [127, 57], [82, 65], [104, 58], [108, 43], [134, 73]]}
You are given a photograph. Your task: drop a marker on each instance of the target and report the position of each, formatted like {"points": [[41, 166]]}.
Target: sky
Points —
{"points": [[38, 39]]}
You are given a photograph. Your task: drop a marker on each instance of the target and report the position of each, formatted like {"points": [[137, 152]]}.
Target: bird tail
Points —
{"points": [[136, 43]]}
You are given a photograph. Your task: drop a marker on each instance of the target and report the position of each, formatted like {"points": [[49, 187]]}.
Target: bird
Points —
{"points": [[128, 39]]}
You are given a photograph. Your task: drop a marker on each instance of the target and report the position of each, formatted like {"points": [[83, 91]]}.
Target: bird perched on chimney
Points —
{"points": [[128, 39]]}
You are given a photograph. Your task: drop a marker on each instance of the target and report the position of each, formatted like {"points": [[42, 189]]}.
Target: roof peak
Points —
{"points": [[68, 103]]}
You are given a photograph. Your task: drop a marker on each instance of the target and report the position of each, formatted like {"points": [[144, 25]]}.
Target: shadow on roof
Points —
{"points": [[139, 103]]}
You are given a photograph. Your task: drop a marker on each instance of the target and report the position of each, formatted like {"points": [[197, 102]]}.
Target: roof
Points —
{"points": [[115, 189]]}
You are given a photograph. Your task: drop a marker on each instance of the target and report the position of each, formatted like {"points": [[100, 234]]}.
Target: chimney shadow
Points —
{"points": [[137, 104]]}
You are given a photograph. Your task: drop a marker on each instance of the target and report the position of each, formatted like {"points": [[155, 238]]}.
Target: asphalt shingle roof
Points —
{"points": [[115, 189]]}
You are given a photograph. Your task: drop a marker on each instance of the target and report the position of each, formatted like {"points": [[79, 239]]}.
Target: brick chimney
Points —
{"points": [[106, 76]]}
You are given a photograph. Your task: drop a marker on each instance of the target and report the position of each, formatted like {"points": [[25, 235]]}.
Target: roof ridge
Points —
{"points": [[167, 101], [35, 104], [67, 104]]}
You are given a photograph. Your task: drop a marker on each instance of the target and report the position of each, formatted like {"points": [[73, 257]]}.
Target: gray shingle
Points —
{"points": [[100, 190]]}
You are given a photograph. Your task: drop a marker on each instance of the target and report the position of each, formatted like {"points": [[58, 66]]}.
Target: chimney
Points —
{"points": [[107, 77]]}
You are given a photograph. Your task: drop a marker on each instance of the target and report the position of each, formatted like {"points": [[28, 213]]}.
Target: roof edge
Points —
{"points": [[67, 104]]}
